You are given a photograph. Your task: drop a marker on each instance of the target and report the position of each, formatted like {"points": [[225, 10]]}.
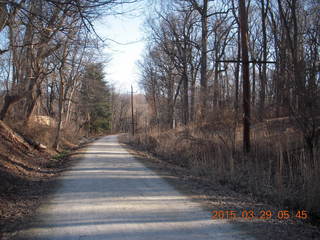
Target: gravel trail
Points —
{"points": [[109, 195]]}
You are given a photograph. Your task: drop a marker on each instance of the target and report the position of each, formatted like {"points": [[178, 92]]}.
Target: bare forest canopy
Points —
{"points": [[253, 60], [233, 89], [51, 66]]}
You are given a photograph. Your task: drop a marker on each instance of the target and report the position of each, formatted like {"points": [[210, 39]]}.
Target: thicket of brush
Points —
{"points": [[278, 169]]}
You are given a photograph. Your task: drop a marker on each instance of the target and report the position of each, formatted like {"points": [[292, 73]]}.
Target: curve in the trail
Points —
{"points": [[109, 195]]}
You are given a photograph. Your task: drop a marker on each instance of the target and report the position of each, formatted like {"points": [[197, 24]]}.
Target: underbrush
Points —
{"points": [[45, 134], [278, 169]]}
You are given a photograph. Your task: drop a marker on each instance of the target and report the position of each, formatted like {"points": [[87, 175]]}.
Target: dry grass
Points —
{"points": [[45, 133], [27, 175], [278, 169]]}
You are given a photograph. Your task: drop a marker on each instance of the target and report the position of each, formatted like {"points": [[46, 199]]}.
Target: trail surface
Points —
{"points": [[109, 195]]}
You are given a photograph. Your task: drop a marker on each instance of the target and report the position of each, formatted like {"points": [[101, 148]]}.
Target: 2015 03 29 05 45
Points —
{"points": [[262, 214]]}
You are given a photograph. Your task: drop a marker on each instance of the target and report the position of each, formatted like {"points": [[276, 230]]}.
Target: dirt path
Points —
{"points": [[110, 195]]}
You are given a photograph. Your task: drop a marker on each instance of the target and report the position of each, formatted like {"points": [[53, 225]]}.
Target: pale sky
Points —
{"points": [[127, 28]]}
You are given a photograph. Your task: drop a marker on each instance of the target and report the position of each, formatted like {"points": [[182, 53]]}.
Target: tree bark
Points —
{"points": [[8, 101], [170, 102], [237, 74], [253, 85], [31, 102], [193, 91], [60, 107], [185, 98], [263, 78], [203, 69]]}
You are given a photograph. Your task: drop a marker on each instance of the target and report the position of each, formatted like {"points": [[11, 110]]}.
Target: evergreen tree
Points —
{"points": [[95, 95]]}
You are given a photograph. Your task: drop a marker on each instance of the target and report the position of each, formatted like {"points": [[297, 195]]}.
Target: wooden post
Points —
{"points": [[245, 75], [132, 116]]}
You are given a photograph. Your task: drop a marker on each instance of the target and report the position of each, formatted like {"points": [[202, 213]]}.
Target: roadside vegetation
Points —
{"points": [[54, 95], [233, 95]]}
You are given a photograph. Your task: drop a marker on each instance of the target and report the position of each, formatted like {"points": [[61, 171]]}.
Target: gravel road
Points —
{"points": [[109, 195]]}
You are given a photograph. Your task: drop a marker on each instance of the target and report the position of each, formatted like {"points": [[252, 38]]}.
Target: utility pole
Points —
{"points": [[243, 18], [245, 75], [132, 117]]}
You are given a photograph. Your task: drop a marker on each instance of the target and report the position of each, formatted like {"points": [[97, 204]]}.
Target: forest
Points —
{"points": [[233, 94], [229, 90], [54, 94], [52, 68]]}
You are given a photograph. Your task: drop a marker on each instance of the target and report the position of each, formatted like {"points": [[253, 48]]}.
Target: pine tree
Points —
{"points": [[95, 95]]}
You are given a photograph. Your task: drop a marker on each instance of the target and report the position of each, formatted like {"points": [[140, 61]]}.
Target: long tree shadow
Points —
{"points": [[107, 197]]}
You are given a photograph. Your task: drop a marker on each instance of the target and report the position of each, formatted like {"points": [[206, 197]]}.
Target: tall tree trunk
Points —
{"points": [[61, 96], [237, 74], [31, 102], [192, 97], [50, 99], [245, 74], [277, 77], [60, 109], [70, 102], [216, 84], [185, 98], [294, 47], [170, 102], [203, 70], [253, 85], [8, 101], [263, 78]]}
